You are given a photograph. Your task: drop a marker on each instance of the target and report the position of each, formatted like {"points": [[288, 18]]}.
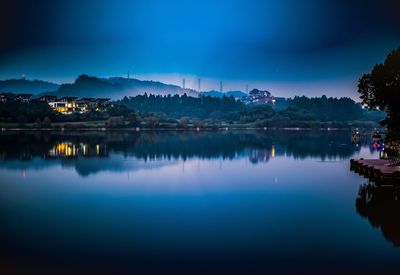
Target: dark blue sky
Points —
{"points": [[289, 47]]}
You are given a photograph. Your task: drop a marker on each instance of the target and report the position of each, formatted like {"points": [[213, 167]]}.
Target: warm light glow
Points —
{"points": [[273, 151], [64, 149]]}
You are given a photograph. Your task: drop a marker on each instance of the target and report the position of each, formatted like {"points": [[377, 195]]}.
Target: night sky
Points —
{"points": [[289, 47]]}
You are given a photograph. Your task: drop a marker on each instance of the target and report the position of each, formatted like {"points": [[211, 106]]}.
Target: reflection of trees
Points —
{"points": [[320, 144], [381, 206], [257, 145], [259, 155]]}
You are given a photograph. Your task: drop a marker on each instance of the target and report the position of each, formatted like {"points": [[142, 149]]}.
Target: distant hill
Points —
{"points": [[114, 88], [117, 88], [87, 86], [236, 94], [27, 86], [132, 87]]}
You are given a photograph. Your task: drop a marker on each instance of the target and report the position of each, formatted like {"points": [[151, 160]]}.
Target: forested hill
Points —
{"points": [[324, 108], [25, 86], [228, 109], [178, 106], [116, 88]]}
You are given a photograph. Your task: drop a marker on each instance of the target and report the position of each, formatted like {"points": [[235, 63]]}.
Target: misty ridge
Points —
{"points": [[90, 86], [112, 87]]}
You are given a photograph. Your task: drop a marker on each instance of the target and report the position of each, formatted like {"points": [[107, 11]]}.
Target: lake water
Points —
{"points": [[224, 202]]}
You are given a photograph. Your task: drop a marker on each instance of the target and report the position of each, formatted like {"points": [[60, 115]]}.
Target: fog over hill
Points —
{"points": [[113, 87], [117, 88]]}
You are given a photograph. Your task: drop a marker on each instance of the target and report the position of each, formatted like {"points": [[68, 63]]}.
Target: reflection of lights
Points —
{"points": [[273, 151], [69, 149], [380, 146], [24, 173], [64, 149]]}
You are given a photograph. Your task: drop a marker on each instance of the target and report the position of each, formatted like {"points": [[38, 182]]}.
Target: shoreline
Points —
{"points": [[189, 129]]}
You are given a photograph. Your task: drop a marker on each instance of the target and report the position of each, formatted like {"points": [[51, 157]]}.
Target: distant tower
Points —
{"points": [[184, 83], [247, 89], [128, 75], [199, 84], [221, 87]]}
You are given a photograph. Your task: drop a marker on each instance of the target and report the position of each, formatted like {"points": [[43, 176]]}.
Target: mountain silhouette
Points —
{"points": [[132, 87], [88, 86], [27, 86], [117, 88], [113, 87]]}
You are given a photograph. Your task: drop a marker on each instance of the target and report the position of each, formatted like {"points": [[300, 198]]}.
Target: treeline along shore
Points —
{"points": [[185, 112]]}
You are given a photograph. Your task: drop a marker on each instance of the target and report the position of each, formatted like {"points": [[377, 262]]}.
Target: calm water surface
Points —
{"points": [[188, 203]]}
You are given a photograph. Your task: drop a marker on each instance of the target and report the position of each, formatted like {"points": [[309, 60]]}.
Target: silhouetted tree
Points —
{"points": [[380, 89]]}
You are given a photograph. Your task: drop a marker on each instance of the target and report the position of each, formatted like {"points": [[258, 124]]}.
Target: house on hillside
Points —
{"points": [[25, 98], [86, 104], [70, 102], [4, 97], [48, 98], [65, 105], [259, 97], [102, 103], [59, 106]]}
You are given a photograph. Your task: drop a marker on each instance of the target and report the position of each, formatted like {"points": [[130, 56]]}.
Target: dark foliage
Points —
{"points": [[325, 109], [229, 110], [380, 89], [179, 106], [15, 111]]}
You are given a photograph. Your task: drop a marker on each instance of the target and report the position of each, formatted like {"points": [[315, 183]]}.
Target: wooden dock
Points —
{"points": [[378, 171]]}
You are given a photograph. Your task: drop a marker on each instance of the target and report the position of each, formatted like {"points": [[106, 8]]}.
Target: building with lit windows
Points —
{"points": [[259, 97]]}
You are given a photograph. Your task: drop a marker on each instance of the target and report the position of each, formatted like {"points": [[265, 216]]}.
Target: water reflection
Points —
{"points": [[258, 146], [174, 202], [71, 150], [184, 145], [381, 206]]}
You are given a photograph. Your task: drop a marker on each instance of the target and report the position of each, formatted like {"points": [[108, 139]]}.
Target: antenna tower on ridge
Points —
{"points": [[199, 84]]}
